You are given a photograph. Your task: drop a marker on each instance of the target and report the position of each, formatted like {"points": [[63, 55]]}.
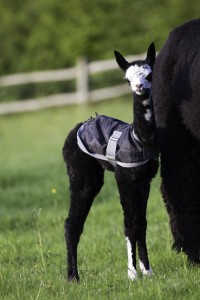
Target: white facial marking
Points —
{"points": [[136, 75], [144, 271], [132, 273], [148, 115]]}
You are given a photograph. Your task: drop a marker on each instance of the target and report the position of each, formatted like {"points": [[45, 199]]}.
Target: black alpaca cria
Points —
{"points": [[130, 151], [176, 94]]}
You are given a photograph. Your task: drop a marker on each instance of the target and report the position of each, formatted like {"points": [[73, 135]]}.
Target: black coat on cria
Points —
{"points": [[86, 170], [176, 93]]}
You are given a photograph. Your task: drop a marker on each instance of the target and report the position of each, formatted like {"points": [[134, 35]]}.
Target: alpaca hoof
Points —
{"points": [[194, 260], [132, 274], [144, 271], [73, 278]]}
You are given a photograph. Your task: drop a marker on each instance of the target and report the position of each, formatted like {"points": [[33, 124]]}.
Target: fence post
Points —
{"points": [[82, 81]]}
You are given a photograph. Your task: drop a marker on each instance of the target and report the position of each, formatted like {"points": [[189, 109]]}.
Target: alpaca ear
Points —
{"points": [[151, 54], [123, 64]]}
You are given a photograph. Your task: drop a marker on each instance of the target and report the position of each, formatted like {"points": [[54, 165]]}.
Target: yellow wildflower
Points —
{"points": [[53, 190]]}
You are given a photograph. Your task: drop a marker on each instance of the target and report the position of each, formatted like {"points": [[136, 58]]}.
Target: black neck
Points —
{"points": [[144, 121]]}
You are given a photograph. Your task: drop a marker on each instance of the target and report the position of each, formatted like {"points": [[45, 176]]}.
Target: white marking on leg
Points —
{"points": [[148, 115], [146, 102], [132, 273], [145, 271]]}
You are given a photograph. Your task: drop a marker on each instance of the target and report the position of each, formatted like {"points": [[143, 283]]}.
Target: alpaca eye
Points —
{"points": [[149, 77], [128, 81]]}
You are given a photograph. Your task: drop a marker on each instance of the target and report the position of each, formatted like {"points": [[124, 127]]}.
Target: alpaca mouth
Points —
{"points": [[140, 91]]}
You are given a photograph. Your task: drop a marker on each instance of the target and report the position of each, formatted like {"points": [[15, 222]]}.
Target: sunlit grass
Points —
{"points": [[34, 203]]}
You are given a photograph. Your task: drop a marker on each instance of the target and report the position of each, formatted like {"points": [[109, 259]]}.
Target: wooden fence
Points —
{"points": [[81, 73]]}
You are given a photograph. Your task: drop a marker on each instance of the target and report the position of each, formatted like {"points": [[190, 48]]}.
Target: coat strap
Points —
{"points": [[112, 145]]}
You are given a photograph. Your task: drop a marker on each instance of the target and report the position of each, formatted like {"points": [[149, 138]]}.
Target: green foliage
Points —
{"points": [[44, 35], [34, 205], [38, 35]]}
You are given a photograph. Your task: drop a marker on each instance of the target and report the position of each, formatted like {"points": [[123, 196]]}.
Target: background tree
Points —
{"points": [[52, 34]]}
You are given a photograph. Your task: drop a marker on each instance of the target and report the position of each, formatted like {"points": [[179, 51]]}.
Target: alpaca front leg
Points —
{"points": [[131, 251], [144, 264], [142, 194], [127, 191]]}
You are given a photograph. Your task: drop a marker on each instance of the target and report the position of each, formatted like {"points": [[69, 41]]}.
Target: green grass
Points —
{"points": [[32, 246]]}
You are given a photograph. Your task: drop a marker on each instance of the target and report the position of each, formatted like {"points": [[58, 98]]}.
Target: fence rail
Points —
{"points": [[81, 73]]}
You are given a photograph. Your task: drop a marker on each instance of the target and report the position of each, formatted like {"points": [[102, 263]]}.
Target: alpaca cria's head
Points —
{"points": [[138, 73]]}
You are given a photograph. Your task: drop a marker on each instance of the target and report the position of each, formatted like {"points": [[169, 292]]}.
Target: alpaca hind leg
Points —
{"points": [[142, 194], [84, 186]]}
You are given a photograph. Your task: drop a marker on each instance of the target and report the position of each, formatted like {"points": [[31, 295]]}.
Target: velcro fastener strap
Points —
{"points": [[112, 145]]}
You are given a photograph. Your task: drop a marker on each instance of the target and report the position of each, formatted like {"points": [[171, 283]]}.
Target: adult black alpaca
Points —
{"points": [[176, 94], [129, 150]]}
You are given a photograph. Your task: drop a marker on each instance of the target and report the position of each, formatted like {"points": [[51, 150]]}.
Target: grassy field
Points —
{"points": [[34, 203]]}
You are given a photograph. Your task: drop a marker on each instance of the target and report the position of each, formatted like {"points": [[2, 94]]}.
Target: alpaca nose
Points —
{"points": [[138, 86]]}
